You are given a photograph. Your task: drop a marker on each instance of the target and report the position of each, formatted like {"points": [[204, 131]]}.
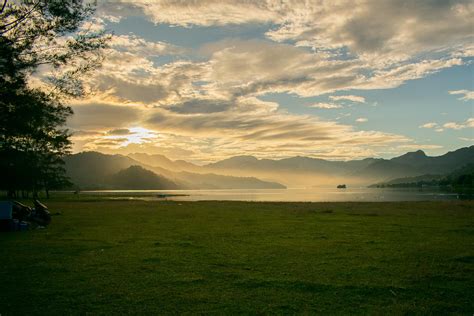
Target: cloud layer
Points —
{"points": [[212, 104]]}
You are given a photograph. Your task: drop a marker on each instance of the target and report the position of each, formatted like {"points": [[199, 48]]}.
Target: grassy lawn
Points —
{"points": [[137, 257]]}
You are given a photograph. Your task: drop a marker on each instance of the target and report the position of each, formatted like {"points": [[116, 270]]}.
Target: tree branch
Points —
{"points": [[15, 23], [3, 6]]}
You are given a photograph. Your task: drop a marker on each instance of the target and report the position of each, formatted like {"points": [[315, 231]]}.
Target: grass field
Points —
{"points": [[137, 257]]}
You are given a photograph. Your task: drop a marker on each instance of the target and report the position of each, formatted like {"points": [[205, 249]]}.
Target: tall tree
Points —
{"points": [[53, 35]]}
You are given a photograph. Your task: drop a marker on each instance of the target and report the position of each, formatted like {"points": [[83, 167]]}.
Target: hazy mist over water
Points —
{"points": [[285, 195]]}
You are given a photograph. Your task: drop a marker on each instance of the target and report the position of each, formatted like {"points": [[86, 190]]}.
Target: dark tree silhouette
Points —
{"points": [[33, 139]]}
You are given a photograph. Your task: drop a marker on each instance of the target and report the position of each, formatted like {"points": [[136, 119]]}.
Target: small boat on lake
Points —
{"points": [[341, 186]]}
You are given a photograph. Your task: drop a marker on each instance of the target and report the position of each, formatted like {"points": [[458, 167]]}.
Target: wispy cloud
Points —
{"points": [[466, 95], [362, 120], [119, 131], [429, 125], [352, 98], [469, 123], [323, 105]]}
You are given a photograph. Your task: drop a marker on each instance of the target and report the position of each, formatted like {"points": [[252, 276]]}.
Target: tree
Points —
{"points": [[49, 34]]}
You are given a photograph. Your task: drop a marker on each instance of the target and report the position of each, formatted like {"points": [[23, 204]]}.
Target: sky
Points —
{"points": [[207, 80]]}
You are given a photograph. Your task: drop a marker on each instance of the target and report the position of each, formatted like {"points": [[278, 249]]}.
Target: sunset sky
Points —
{"points": [[206, 80]]}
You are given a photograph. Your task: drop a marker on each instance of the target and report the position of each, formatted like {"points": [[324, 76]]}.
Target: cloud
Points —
{"points": [[453, 125], [216, 135], [252, 122], [258, 67], [166, 147], [255, 67], [77, 134], [325, 106], [382, 44], [245, 67], [429, 125], [119, 131], [132, 77], [196, 106], [242, 68], [187, 13], [211, 104], [378, 28], [352, 98], [362, 120], [111, 142], [392, 77], [469, 123], [466, 94], [135, 44], [95, 24], [102, 116], [374, 28]]}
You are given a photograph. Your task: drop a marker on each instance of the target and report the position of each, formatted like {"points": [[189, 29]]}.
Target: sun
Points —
{"points": [[134, 135], [139, 135]]}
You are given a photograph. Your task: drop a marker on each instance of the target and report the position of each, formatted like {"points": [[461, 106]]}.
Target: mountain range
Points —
{"points": [[93, 170]]}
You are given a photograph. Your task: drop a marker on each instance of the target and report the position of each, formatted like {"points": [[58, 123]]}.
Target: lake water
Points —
{"points": [[288, 195]]}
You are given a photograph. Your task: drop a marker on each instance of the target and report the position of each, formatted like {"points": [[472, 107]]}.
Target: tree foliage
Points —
{"points": [[45, 48]]}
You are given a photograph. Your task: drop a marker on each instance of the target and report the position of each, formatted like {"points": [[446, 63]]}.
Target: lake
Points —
{"points": [[286, 195]]}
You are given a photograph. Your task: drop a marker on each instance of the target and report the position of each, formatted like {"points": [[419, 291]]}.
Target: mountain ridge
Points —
{"points": [[94, 170], [245, 171], [358, 171]]}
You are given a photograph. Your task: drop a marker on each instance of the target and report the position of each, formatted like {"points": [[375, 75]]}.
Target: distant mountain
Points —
{"points": [[294, 164], [440, 164], [295, 171], [384, 170], [138, 178], [314, 172], [162, 161], [247, 162], [153, 160], [215, 181], [415, 158], [93, 170], [418, 163], [460, 178]]}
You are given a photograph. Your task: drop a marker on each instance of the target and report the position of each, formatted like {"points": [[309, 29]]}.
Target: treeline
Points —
{"points": [[32, 172], [33, 137], [460, 180]]}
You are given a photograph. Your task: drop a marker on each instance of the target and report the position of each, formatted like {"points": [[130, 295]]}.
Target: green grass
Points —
{"points": [[137, 257]]}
